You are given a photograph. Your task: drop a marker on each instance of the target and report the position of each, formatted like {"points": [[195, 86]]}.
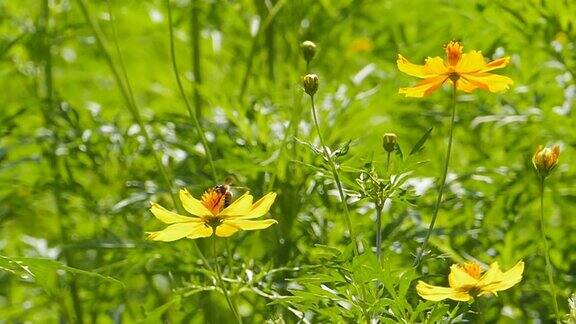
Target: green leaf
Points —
{"points": [[420, 144]]}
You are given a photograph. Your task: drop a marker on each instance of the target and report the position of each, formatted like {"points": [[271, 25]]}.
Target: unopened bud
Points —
{"points": [[389, 142], [308, 50], [310, 83], [545, 159]]}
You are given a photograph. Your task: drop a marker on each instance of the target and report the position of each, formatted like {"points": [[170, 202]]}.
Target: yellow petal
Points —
{"points": [[471, 62], [193, 205], [203, 231], [169, 217], [465, 85], [240, 207], [261, 207], [176, 231], [434, 66], [225, 230], [460, 278], [435, 293], [491, 275], [489, 81], [249, 225], [502, 281], [409, 68], [424, 88], [497, 64]]}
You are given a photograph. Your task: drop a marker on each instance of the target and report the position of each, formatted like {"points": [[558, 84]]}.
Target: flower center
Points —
{"points": [[453, 52], [213, 200], [473, 269]]}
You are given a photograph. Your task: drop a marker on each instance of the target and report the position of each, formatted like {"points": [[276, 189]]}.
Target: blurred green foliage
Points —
{"points": [[77, 174]]}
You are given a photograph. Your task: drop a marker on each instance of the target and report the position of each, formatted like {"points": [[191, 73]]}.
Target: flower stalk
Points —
{"points": [[221, 282], [549, 270], [420, 252]]}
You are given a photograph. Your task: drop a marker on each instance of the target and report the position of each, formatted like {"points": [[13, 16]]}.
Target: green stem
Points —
{"points": [[193, 113], [549, 270], [379, 208], [420, 253], [221, 282], [335, 175], [195, 38]]}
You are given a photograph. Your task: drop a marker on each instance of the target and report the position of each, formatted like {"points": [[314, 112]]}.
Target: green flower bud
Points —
{"points": [[310, 83], [389, 142], [308, 50]]}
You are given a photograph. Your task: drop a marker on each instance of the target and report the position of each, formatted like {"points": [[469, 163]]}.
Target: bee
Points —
{"points": [[224, 191]]}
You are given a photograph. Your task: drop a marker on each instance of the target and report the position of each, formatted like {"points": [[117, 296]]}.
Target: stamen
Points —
{"points": [[472, 268], [453, 52]]}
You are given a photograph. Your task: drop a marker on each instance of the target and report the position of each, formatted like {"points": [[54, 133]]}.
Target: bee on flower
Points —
{"points": [[211, 215], [468, 71], [466, 282]]}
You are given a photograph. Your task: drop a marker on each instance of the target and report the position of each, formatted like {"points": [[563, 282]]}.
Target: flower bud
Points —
{"points": [[545, 159], [389, 142], [310, 83], [308, 50]]}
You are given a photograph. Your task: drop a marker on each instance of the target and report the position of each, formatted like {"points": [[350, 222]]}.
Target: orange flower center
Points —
{"points": [[213, 200], [473, 269], [453, 52]]}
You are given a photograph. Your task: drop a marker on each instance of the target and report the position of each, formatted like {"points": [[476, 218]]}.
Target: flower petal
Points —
{"points": [[459, 278], [424, 88], [169, 217], [464, 85], [502, 281], [176, 231], [225, 230], [240, 207], [497, 64], [261, 207], [434, 66], [204, 231], [435, 293], [409, 68], [249, 225], [471, 62], [489, 81], [193, 205]]}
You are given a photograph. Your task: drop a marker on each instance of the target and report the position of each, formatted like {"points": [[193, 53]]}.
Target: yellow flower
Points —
{"points": [[466, 282], [545, 159], [468, 70], [211, 216]]}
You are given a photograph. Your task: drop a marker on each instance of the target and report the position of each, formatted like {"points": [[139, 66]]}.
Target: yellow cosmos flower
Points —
{"points": [[210, 216], [466, 282], [468, 70], [545, 159]]}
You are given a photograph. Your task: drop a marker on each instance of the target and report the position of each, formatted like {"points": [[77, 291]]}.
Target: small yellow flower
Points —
{"points": [[466, 282], [468, 70], [545, 159], [210, 216]]}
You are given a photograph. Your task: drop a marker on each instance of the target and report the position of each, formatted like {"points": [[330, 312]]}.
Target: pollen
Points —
{"points": [[453, 52], [213, 200], [473, 269]]}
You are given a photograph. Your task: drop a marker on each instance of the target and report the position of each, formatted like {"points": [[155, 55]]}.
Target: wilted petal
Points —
{"points": [[502, 281], [489, 81], [193, 205], [240, 207], [435, 293], [460, 278], [261, 207], [424, 88], [175, 232], [169, 217]]}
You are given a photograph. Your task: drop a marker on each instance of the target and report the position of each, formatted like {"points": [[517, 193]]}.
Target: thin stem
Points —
{"points": [[379, 208], [387, 163], [549, 271], [221, 282], [193, 113], [195, 38], [443, 181], [335, 175]]}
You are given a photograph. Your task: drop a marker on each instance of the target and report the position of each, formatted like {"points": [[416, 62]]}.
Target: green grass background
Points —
{"points": [[76, 175]]}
